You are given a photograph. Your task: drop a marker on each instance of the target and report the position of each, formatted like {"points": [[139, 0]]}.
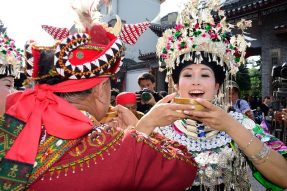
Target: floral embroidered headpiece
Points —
{"points": [[202, 27], [11, 58]]}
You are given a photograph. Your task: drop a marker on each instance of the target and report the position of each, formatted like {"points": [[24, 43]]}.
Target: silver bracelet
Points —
{"points": [[249, 143], [261, 156]]}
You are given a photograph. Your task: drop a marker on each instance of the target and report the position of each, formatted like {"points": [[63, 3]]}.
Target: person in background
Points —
{"points": [[238, 105], [147, 96], [129, 100], [54, 137], [10, 65], [275, 104], [251, 101], [265, 105], [258, 115], [267, 112]]}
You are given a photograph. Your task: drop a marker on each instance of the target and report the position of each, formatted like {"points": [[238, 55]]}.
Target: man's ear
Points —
{"points": [[97, 91]]}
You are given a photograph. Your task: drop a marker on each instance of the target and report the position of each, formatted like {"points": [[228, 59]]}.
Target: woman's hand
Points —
{"points": [[161, 114], [213, 116]]}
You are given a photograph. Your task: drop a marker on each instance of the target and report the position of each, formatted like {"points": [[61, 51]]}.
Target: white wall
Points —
{"points": [[131, 79], [137, 11]]}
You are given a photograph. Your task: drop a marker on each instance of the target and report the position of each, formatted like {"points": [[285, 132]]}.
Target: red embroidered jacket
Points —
{"points": [[109, 159]]}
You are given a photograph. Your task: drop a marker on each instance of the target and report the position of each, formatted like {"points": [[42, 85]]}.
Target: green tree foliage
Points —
{"points": [[255, 78], [249, 78], [243, 79]]}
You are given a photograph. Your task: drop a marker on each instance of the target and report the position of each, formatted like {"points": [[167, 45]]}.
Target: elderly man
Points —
{"points": [[54, 137]]}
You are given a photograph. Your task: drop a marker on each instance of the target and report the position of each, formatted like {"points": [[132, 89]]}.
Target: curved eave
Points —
{"points": [[147, 56], [158, 29], [239, 8]]}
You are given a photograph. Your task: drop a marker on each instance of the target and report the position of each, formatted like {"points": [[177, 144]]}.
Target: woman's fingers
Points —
{"points": [[182, 107], [205, 103], [200, 114], [167, 98]]}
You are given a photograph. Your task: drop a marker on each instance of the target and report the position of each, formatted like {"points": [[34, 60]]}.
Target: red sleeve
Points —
{"points": [[11, 99], [161, 164]]}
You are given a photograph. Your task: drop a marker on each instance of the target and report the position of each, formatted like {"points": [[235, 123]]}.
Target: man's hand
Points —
{"points": [[124, 119]]}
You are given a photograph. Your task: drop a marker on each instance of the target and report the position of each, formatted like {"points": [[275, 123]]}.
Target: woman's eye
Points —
{"points": [[9, 86], [187, 75], [205, 75]]}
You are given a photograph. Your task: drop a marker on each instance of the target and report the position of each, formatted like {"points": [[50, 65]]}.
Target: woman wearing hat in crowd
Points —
{"points": [[129, 100], [52, 134], [10, 64], [198, 54], [237, 104]]}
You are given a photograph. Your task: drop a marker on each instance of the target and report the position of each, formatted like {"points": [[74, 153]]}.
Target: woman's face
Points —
{"points": [[6, 87], [197, 80], [7, 83]]}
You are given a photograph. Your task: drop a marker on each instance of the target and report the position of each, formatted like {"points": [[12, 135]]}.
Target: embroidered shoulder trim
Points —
{"points": [[97, 136], [168, 148], [48, 153]]}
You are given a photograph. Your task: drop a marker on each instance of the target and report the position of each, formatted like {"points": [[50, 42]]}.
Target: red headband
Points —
{"points": [[42, 107]]}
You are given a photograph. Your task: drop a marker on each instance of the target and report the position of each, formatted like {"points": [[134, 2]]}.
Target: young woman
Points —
{"points": [[198, 55]]}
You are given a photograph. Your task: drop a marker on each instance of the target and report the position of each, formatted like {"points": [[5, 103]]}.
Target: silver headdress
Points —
{"points": [[202, 27], [11, 57]]}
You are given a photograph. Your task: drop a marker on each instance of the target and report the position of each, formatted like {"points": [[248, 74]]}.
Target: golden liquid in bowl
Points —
{"points": [[109, 116]]}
